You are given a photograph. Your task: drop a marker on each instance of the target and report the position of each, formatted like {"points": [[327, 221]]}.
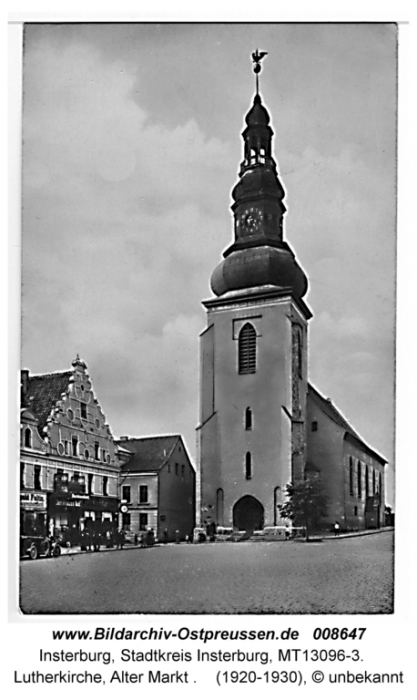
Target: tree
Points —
{"points": [[306, 503]]}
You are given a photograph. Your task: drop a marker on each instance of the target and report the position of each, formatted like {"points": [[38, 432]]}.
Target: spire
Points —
{"points": [[259, 254]]}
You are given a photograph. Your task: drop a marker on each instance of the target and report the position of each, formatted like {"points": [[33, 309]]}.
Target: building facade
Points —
{"points": [[69, 468], [157, 487], [352, 473], [255, 404]]}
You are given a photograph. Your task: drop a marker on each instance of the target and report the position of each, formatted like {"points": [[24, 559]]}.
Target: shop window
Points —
{"points": [[28, 437], [126, 521], [248, 419], [314, 426], [37, 477], [105, 485], [143, 521], [143, 494], [22, 475], [83, 410], [351, 476], [247, 350], [74, 442], [248, 466], [126, 493]]}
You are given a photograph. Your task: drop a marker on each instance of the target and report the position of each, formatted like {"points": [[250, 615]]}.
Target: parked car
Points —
{"points": [[34, 546]]}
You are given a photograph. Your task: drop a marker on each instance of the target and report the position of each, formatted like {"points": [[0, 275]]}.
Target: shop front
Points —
{"points": [[33, 513], [73, 514]]}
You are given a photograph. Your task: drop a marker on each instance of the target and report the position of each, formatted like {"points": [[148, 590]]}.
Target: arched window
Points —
{"points": [[351, 476], [247, 350], [359, 480], [220, 506], [276, 502], [366, 481], [248, 466], [28, 437], [248, 419]]}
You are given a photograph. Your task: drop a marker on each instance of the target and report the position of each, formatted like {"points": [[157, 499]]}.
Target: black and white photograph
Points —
{"points": [[208, 314]]}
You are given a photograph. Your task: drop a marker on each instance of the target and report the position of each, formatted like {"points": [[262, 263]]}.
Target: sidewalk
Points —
{"points": [[344, 535], [358, 533], [77, 550]]}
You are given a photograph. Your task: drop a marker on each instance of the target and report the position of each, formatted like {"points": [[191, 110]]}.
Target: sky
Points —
{"points": [[131, 147]]}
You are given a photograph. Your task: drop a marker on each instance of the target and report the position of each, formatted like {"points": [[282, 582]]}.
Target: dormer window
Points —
{"points": [[28, 437]]}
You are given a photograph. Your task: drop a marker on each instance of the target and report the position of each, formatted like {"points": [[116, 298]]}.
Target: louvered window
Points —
{"points": [[247, 350]]}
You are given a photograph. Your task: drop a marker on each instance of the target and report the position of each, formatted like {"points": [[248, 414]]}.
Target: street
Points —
{"points": [[334, 576]]}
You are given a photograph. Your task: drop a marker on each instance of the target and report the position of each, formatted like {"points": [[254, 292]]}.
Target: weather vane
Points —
{"points": [[257, 58]]}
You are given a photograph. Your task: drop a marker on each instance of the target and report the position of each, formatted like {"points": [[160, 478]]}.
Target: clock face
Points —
{"points": [[251, 221]]}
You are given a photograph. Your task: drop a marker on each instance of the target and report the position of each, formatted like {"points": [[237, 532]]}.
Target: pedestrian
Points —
{"points": [[336, 529], [287, 532], [122, 538], [187, 539], [177, 537], [165, 536]]}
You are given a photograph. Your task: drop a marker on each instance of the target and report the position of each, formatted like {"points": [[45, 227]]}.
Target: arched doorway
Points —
{"points": [[248, 514]]}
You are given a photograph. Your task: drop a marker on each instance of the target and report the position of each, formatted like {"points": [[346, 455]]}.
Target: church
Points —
{"points": [[262, 424]]}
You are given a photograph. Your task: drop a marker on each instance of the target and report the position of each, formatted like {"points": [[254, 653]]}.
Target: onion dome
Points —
{"points": [[257, 115], [259, 266]]}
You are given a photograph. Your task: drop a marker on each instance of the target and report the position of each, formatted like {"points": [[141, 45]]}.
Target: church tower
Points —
{"points": [[253, 380]]}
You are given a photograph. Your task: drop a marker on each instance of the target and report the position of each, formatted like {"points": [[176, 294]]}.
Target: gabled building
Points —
{"points": [[352, 472], [157, 486], [69, 468]]}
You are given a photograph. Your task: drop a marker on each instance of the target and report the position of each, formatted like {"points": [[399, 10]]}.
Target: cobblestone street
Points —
{"points": [[342, 576]]}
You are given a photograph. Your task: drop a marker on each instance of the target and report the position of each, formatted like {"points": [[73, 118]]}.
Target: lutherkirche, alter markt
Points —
{"points": [[261, 423]]}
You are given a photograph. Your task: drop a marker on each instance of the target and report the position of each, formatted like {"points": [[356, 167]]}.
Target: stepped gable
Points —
{"points": [[150, 453]]}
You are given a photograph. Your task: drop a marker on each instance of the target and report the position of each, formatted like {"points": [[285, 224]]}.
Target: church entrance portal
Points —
{"points": [[248, 514]]}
